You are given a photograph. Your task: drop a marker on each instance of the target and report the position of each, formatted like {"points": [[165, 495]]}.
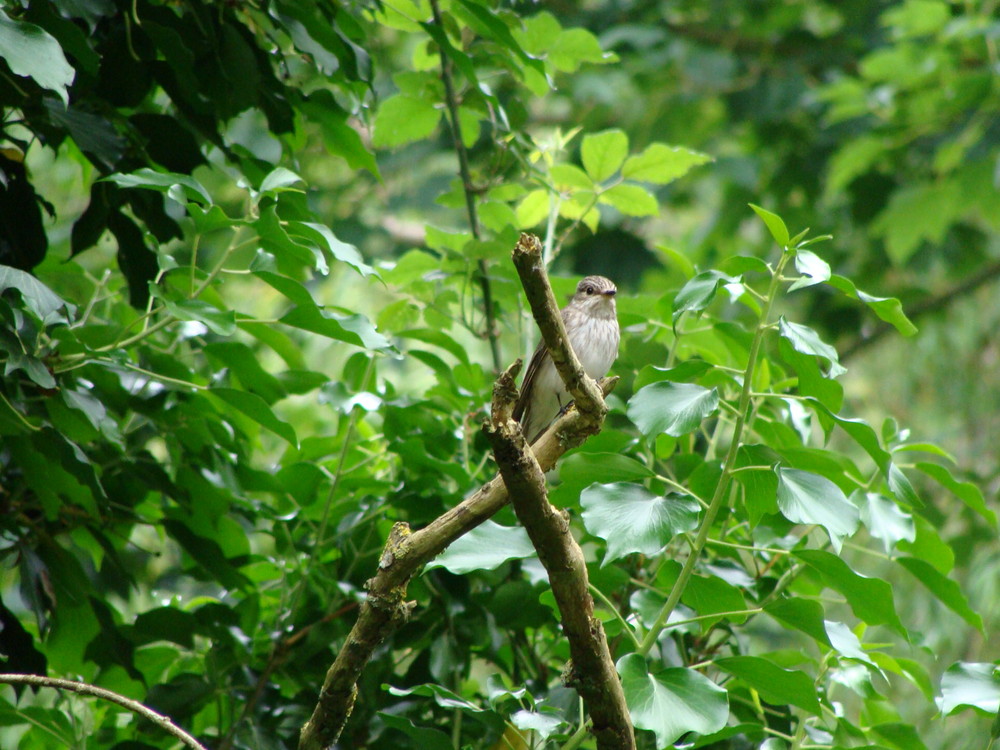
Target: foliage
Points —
{"points": [[258, 325]]}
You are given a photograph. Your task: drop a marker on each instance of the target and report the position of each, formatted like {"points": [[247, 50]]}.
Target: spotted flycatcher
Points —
{"points": [[592, 329]]}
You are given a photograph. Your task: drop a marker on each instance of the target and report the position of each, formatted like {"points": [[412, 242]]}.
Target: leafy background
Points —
{"points": [[265, 307]]}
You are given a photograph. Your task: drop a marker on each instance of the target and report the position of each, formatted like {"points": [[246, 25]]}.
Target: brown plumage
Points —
{"points": [[592, 328]]}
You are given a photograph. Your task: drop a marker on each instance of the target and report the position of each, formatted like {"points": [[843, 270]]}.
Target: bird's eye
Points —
{"points": [[588, 289]]}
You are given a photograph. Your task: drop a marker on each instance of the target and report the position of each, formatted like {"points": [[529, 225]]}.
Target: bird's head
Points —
{"points": [[596, 294]]}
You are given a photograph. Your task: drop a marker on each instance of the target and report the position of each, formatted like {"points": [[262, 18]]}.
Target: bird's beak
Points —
{"points": [[610, 292]]}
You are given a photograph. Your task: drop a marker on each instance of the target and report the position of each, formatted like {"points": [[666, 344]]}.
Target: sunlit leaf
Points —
{"points": [[486, 547], [775, 685], [804, 497], [970, 685], [672, 702], [672, 408], [869, 598], [660, 163], [603, 153], [631, 519], [774, 223]]}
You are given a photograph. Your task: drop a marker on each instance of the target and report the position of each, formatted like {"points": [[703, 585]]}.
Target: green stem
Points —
{"points": [[722, 488]]}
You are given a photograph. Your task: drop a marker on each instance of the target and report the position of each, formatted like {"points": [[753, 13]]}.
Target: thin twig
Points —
{"points": [[451, 101], [84, 689]]}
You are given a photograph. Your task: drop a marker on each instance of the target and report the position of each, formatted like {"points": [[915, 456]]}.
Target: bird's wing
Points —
{"points": [[537, 360]]}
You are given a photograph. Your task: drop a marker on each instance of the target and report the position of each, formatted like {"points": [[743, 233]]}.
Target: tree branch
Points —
{"points": [[404, 553], [593, 673], [84, 689], [451, 101]]}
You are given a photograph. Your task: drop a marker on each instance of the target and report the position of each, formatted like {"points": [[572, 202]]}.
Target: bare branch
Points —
{"points": [[83, 688], [405, 552], [593, 673]]}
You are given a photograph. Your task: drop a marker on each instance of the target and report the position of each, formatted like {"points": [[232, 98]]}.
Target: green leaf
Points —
{"points": [[900, 486], [38, 298], [673, 408], [181, 187], [846, 643], [221, 322], [631, 519], [775, 685], [354, 329], [808, 498], [814, 269], [441, 695], [322, 236], [946, 590], [257, 409], [603, 153], [207, 553], [572, 47], [967, 492], [278, 180], [803, 614], [426, 738], [32, 52], [631, 200], [244, 364], [774, 224], [884, 520], [888, 309], [403, 119], [542, 724], [660, 163], [918, 213], [672, 702], [869, 598], [806, 341], [699, 291], [486, 547], [970, 685], [581, 470]]}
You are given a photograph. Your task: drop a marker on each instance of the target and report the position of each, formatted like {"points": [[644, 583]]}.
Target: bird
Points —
{"points": [[591, 323]]}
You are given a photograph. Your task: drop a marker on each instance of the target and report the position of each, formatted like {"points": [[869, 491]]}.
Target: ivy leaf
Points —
{"points": [[603, 153], [869, 598], [775, 685], [808, 498], [970, 685], [631, 519], [672, 408], [660, 163], [672, 702], [486, 547], [774, 223], [944, 589]]}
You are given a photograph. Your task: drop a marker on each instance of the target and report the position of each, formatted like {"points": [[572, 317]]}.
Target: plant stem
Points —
{"points": [[451, 101], [722, 488]]}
